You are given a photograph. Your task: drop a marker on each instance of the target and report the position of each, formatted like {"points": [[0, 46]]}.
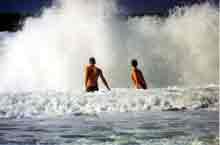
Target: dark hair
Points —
{"points": [[134, 63], [92, 60]]}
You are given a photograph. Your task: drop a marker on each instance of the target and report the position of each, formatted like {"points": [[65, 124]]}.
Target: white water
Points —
{"points": [[41, 73], [53, 104], [52, 50]]}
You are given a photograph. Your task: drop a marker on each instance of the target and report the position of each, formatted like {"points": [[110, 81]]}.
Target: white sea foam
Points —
{"points": [[52, 104], [174, 141]]}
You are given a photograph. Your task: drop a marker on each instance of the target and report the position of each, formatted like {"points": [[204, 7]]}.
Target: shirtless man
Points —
{"points": [[92, 74], [137, 76]]}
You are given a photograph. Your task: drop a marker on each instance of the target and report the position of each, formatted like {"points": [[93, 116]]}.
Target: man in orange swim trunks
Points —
{"points": [[137, 76], [92, 74]]}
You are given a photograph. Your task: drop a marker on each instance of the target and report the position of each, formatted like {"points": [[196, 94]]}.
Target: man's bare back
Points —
{"points": [[92, 73]]}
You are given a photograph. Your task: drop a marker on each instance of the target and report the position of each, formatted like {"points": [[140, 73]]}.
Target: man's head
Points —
{"points": [[134, 63], [92, 60]]}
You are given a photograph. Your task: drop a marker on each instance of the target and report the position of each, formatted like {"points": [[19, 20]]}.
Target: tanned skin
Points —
{"points": [[137, 77], [92, 73]]}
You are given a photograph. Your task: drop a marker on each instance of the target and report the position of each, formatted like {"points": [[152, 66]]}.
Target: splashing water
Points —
{"points": [[53, 104], [52, 50], [41, 101]]}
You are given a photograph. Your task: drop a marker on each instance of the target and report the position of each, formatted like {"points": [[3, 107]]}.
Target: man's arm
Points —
{"points": [[86, 76], [143, 81], [104, 80]]}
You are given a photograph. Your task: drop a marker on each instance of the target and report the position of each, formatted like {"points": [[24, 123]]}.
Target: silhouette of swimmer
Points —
{"points": [[137, 76], [92, 73]]}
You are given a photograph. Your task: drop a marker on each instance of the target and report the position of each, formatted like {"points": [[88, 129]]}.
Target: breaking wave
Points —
{"points": [[50, 51], [53, 104]]}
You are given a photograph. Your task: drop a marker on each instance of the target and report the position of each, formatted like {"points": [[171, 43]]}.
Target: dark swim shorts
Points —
{"points": [[92, 89]]}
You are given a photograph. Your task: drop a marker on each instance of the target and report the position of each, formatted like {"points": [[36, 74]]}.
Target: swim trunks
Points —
{"points": [[92, 89]]}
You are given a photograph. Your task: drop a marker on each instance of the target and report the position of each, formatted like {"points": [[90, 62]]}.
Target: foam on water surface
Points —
{"points": [[41, 65], [52, 103]]}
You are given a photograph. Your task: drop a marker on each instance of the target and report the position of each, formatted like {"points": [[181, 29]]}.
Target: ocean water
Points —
{"points": [[41, 71], [53, 103], [142, 128], [169, 116]]}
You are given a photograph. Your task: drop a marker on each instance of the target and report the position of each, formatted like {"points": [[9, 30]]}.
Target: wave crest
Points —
{"points": [[52, 103]]}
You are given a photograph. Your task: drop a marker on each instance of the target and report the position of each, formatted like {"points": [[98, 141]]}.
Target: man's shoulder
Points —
{"points": [[87, 67], [90, 66], [99, 69], [137, 71]]}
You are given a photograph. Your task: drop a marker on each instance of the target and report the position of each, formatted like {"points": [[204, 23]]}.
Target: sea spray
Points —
{"points": [[50, 52], [52, 104]]}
